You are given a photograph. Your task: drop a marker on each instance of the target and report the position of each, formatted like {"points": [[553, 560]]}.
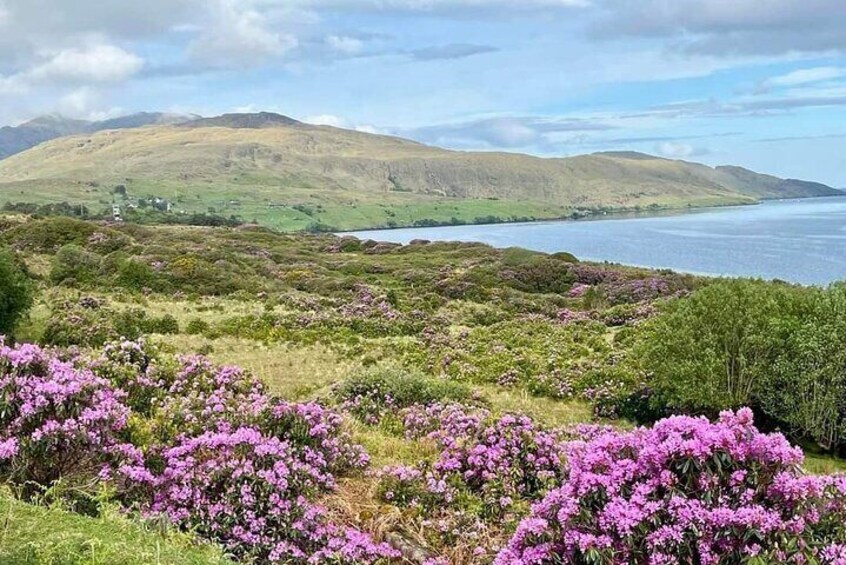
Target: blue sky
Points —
{"points": [[759, 83]]}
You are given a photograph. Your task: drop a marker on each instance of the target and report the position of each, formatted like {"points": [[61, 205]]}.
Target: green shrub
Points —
{"points": [[374, 391], [91, 325], [133, 274], [167, 324], [543, 356], [16, 291], [73, 266], [541, 274], [197, 326], [806, 387], [713, 350], [48, 235]]}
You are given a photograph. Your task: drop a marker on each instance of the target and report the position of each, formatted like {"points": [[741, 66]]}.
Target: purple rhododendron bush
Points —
{"points": [[685, 491], [487, 472], [204, 446], [209, 450]]}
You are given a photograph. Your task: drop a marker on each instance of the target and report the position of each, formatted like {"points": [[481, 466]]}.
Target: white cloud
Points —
{"points": [[370, 129], [326, 120], [345, 45], [438, 5], [239, 35], [100, 63], [676, 150], [86, 103], [97, 64], [728, 27], [506, 132], [806, 76], [339, 122]]}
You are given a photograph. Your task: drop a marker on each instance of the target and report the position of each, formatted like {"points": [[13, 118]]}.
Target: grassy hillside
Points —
{"points": [[14, 139], [289, 175]]}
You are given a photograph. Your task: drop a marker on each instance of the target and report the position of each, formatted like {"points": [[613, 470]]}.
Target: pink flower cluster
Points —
{"points": [[368, 304], [56, 420], [439, 421], [253, 492], [685, 491], [500, 462], [207, 447]]}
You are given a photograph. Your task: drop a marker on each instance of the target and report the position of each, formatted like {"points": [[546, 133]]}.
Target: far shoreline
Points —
{"points": [[615, 214]]}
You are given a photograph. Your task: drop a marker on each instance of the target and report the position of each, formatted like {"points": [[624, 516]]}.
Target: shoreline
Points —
{"points": [[615, 214]]}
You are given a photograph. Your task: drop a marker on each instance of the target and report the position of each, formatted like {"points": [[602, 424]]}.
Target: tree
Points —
{"points": [[806, 389], [15, 291], [711, 351]]}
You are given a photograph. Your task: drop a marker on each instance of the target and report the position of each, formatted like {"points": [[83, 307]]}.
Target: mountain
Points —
{"points": [[14, 139], [249, 121], [288, 174]]}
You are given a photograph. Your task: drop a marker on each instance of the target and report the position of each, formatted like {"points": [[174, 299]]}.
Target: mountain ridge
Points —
{"points": [[16, 139], [290, 175]]}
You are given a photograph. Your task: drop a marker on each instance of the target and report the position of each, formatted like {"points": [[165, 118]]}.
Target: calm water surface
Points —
{"points": [[802, 241]]}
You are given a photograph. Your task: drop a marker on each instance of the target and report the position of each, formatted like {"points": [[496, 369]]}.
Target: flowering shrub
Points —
{"points": [[250, 491], [204, 446], [685, 491], [87, 322], [481, 482], [507, 460], [533, 351], [56, 420], [637, 290], [440, 421], [242, 468]]}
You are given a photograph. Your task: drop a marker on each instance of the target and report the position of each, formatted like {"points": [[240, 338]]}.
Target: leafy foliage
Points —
{"points": [[16, 292]]}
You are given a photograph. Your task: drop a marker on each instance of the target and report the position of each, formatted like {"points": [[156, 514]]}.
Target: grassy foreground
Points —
{"points": [[34, 535]]}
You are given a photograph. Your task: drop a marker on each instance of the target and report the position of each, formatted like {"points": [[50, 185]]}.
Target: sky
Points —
{"points": [[757, 83]]}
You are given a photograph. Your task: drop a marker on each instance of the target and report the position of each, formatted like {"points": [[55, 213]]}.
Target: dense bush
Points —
{"points": [[544, 356], [805, 388], [685, 491], [486, 473], [540, 274], [48, 235], [88, 322], [74, 266], [774, 347], [713, 350], [16, 292], [57, 421], [373, 392]]}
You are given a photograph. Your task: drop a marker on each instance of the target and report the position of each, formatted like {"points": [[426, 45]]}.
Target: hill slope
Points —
{"points": [[14, 139], [288, 174]]}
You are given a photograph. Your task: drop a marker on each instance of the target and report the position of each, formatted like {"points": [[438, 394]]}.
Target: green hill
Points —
{"points": [[286, 174]]}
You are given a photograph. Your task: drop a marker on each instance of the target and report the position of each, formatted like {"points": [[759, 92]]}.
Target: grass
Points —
{"points": [[546, 410], [294, 373], [824, 464], [34, 535]]}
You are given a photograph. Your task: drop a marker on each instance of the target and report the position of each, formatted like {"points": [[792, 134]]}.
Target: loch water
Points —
{"points": [[801, 240]]}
